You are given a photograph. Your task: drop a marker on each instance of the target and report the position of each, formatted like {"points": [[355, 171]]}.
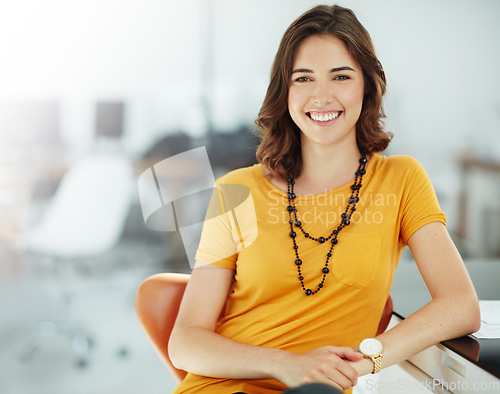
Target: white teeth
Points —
{"points": [[324, 117]]}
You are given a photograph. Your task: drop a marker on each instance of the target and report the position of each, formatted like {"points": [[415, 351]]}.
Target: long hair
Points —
{"points": [[279, 148]]}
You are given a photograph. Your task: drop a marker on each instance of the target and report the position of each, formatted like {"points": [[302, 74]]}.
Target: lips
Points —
{"points": [[323, 116]]}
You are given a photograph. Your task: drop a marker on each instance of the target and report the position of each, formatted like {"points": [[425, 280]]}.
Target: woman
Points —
{"points": [[333, 217]]}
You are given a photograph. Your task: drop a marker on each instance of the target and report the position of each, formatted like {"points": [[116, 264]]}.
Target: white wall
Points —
{"points": [[145, 52], [441, 59]]}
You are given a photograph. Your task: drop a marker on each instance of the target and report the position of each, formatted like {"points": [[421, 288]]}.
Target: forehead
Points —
{"points": [[327, 50]]}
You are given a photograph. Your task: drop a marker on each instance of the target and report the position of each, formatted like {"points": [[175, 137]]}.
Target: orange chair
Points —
{"points": [[157, 303]]}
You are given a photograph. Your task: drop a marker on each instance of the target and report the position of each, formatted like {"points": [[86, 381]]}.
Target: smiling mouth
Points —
{"points": [[323, 116]]}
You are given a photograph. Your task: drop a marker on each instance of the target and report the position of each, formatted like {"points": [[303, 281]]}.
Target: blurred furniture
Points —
{"points": [[85, 218], [167, 146], [109, 118], [243, 143], [157, 303], [450, 366], [478, 227]]}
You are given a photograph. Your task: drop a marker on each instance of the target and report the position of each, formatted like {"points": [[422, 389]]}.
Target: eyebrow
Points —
{"points": [[333, 70]]}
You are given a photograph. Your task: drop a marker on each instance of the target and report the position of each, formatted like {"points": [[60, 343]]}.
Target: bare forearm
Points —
{"points": [[207, 353], [435, 322], [453, 311]]}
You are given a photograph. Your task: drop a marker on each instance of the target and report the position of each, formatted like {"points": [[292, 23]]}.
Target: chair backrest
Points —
{"points": [[87, 214], [157, 303], [386, 316]]}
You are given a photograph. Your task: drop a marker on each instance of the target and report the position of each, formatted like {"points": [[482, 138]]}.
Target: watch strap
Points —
{"points": [[377, 363]]}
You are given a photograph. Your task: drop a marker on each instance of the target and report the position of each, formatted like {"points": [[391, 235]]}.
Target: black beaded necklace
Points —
{"points": [[333, 237]]}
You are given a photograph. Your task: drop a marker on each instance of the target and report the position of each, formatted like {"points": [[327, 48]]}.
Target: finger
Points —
{"points": [[353, 356], [337, 369], [345, 369], [340, 379], [347, 352], [338, 356]]}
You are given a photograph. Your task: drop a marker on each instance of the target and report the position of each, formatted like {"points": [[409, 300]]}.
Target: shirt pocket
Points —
{"points": [[355, 259]]}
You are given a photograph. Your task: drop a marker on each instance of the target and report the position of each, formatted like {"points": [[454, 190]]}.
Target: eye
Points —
{"points": [[342, 78], [302, 79]]}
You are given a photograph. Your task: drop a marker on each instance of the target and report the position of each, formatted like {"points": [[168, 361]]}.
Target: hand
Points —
{"points": [[363, 366], [328, 364]]}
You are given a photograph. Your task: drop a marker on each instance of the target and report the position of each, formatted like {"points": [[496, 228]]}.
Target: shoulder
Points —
{"points": [[401, 173], [245, 175], [403, 161], [397, 165], [396, 161]]}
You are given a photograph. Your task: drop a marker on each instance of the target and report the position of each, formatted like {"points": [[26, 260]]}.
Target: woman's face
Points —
{"points": [[326, 91]]}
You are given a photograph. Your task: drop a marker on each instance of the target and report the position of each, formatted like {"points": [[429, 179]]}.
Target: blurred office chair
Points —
{"points": [[85, 218], [157, 303]]}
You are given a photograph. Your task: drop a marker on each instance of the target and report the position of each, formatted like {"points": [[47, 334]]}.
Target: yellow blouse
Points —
{"points": [[266, 305]]}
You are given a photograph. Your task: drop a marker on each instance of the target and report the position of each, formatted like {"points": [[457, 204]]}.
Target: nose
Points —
{"points": [[323, 94]]}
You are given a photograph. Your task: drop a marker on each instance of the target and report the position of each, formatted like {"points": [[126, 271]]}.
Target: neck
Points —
{"points": [[326, 168]]}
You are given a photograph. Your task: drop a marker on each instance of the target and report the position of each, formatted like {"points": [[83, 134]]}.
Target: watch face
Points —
{"points": [[371, 347]]}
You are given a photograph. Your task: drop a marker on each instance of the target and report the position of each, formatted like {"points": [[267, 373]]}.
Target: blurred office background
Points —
{"points": [[133, 82]]}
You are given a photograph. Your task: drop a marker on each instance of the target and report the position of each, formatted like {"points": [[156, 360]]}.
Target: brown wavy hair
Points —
{"points": [[279, 148]]}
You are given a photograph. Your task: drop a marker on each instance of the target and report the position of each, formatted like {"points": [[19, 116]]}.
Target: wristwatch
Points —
{"points": [[372, 348]]}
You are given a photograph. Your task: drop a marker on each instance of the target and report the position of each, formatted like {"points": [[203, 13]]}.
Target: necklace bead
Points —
{"points": [[344, 222]]}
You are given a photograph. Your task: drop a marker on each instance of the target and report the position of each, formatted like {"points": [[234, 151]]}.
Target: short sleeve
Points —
{"points": [[419, 205], [230, 225]]}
